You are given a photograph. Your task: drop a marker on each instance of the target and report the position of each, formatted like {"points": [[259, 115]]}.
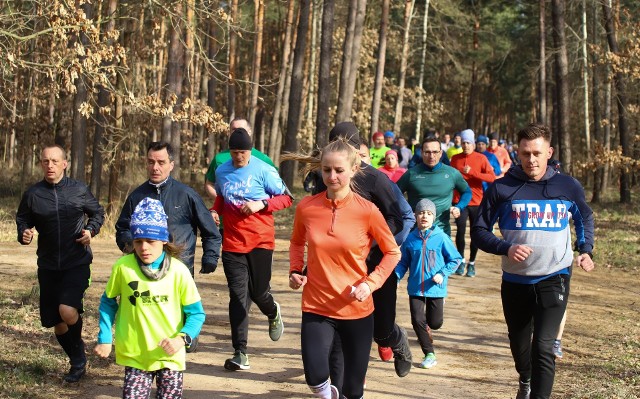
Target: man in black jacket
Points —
{"points": [[186, 211], [56, 207], [185, 208]]}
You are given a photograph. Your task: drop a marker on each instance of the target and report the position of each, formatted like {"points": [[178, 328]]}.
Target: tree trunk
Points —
{"points": [[174, 75], [212, 83], [347, 96], [470, 117], [255, 71], [11, 150], [585, 80], [621, 94], [382, 57], [423, 61], [597, 112], [103, 101], [277, 110], [408, 13], [79, 127], [295, 98], [233, 44], [324, 74], [316, 20], [347, 54], [606, 142], [542, 72], [562, 84]]}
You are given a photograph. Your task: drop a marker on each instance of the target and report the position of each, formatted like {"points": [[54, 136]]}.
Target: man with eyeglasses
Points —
{"points": [[436, 181]]}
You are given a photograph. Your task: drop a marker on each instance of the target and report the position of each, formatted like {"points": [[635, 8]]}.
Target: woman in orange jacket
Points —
{"points": [[337, 227]]}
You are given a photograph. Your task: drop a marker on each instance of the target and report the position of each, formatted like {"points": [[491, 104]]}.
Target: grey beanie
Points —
{"points": [[426, 204]]}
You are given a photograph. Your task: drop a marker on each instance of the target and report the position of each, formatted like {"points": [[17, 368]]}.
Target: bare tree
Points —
{"points": [[542, 68], [423, 60], [408, 13], [103, 101], [233, 44], [79, 129], [351, 59], [621, 94], [562, 84], [257, 57], [382, 57], [324, 74], [286, 55], [585, 79], [470, 117], [295, 98]]}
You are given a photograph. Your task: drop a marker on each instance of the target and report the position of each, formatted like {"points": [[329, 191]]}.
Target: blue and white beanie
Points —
{"points": [[149, 221]]}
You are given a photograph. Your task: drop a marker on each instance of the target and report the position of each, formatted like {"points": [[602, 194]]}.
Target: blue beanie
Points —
{"points": [[483, 139], [149, 221], [467, 136], [389, 133]]}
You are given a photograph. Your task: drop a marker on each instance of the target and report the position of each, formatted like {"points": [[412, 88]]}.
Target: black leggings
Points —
{"points": [[317, 336], [471, 213], [426, 311], [533, 313]]}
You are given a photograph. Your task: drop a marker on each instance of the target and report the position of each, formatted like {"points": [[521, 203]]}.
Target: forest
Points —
{"points": [[103, 78]]}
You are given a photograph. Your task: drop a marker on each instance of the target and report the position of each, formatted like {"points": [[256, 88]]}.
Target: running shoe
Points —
{"points": [[276, 326], [386, 353], [239, 361], [429, 361]]}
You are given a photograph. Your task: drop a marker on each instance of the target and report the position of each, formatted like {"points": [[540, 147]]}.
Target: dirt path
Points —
{"points": [[473, 354]]}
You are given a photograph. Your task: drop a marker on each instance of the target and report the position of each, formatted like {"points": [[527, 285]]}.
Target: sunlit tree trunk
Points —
{"points": [[287, 169], [79, 126], [585, 80], [212, 83], [233, 44], [316, 20], [562, 84], [382, 57], [408, 13], [621, 100], [470, 117], [542, 68], [597, 111], [103, 101], [255, 70], [423, 61], [324, 74], [277, 109], [347, 54]]}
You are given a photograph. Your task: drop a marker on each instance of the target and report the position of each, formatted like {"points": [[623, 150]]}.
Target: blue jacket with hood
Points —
{"points": [[535, 213], [424, 256]]}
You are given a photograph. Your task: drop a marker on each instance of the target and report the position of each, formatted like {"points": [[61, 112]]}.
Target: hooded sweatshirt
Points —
{"points": [[536, 214]]}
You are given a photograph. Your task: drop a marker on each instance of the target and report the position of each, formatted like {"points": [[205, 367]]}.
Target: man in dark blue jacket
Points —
{"points": [[56, 207], [533, 204], [186, 211]]}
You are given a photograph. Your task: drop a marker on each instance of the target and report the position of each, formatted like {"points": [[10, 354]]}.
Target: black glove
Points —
{"points": [[208, 268]]}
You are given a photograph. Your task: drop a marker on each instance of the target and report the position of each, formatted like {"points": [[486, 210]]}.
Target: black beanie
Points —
{"points": [[240, 140], [348, 131]]}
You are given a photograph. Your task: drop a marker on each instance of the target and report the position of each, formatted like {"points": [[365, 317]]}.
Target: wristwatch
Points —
{"points": [[187, 340], [266, 204]]}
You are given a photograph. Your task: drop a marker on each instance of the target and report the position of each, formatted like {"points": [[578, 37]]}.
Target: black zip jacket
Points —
{"points": [[58, 212], [186, 214]]}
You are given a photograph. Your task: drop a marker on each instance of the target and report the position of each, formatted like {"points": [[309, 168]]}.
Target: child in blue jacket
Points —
{"points": [[430, 256]]}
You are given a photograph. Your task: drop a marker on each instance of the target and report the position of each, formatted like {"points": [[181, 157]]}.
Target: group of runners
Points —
{"points": [[352, 241]]}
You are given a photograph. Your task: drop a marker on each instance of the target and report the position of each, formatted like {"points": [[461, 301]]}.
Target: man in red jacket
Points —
{"points": [[475, 169]]}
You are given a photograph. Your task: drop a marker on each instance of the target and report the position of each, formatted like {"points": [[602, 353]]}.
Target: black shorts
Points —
{"points": [[61, 287]]}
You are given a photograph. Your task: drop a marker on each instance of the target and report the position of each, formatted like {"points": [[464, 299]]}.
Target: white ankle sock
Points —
{"points": [[322, 391]]}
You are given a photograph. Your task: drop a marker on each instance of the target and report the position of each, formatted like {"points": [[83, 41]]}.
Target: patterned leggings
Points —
{"points": [[137, 383]]}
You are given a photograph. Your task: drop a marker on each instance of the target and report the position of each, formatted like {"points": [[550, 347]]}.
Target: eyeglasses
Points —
{"points": [[431, 152]]}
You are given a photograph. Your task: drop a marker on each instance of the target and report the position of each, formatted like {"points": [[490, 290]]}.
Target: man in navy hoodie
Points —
{"points": [[533, 204]]}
